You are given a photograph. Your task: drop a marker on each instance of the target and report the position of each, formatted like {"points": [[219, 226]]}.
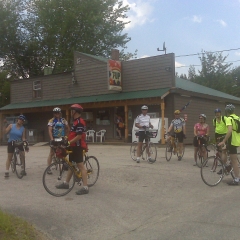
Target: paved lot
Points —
{"points": [[164, 200]]}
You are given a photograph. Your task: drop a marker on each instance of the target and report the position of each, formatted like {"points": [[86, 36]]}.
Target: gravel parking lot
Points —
{"points": [[164, 200]]}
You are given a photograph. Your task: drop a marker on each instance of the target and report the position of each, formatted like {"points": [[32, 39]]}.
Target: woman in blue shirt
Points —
{"points": [[16, 133]]}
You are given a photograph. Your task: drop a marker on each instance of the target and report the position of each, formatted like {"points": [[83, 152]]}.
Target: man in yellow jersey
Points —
{"points": [[233, 141], [219, 123]]}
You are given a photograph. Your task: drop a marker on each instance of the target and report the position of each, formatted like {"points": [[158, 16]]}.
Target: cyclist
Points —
{"points": [[219, 123], [143, 123], [201, 129], [232, 138], [16, 133], [179, 127], [57, 127], [77, 142]]}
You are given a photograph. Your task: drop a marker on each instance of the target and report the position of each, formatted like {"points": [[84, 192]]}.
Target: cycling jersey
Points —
{"points": [[201, 129], [58, 127], [220, 127], [78, 128], [235, 138], [143, 121], [178, 124]]}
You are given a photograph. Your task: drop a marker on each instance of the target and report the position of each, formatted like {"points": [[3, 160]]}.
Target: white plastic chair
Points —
{"points": [[100, 135], [90, 135]]}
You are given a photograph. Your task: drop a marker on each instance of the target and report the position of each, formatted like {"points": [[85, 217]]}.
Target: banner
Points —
{"points": [[114, 75]]}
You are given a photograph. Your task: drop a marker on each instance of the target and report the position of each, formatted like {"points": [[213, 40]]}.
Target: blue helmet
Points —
{"points": [[217, 110], [22, 117]]}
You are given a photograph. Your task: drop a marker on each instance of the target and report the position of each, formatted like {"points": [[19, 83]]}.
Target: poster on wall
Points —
{"points": [[114, 75]]}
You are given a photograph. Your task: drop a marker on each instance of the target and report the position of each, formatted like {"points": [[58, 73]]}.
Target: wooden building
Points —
{"points": [[104, 87]]}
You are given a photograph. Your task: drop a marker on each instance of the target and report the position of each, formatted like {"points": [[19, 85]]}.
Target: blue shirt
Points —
{"points": [[15, 133], [58, 127]]}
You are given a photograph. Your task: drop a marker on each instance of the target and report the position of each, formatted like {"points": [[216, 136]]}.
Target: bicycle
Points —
{"points": [[62, 165], [173, 148], [17, 163], [152, 150], [201, 149], [214, 173]]}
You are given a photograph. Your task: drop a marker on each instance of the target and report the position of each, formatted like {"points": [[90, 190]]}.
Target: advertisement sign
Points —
{"points": [[114, 75]]}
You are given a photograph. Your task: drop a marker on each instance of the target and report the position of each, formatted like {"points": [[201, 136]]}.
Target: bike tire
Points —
{"points": [[13, 166], [133, 150], [92, 165], [238, 158], [19, 165], [199, 159], [153, 153], [183, 150], [168, 151], [59, 173], [210, 171]]}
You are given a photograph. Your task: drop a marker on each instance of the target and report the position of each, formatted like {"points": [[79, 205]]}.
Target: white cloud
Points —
{"points": [[177, 64], [139, 13], [197, 19], [224, 24], [237, 53]]}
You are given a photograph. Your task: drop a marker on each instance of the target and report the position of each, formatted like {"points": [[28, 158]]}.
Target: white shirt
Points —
{"points": [[143, 121]]}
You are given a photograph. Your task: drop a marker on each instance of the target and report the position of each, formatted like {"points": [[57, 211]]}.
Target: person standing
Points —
{"points": [[143, 123], [16, 133], [200, 130], [119, 125], [57, 127], [77, 143], [179, 127], [232, 139], [219, 123]]}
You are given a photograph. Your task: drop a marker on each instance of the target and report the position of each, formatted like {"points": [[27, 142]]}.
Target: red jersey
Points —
{"points": [[78, 128]]}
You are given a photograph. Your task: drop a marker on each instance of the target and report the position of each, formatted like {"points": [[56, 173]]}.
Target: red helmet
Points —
{"points": [[78, 108]]}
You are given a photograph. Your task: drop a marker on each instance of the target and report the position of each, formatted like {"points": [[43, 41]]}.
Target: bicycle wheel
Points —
{"points": [[238, 158], [59, 174], [183, 150], [212, 149], [19, 165], [153, 152], [199, 159], [168, 151], [92, 165], [133, 150], [13, 167], [212, 171]]}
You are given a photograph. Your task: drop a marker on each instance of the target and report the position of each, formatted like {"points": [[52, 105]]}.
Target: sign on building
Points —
{"points": [[114, 75]]}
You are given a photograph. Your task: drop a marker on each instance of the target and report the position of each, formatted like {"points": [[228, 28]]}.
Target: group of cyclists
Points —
{"points": [[225, 134]]}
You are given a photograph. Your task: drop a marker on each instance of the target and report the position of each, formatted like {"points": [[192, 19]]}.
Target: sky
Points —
{"points": [[187, 27]]}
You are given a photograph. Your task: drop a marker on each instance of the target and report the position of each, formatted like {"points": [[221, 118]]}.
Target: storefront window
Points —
{"points": [[103, 117]]}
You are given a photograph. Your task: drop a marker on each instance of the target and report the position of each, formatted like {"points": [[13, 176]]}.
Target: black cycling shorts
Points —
{"points": [[142, 136], [231, 149], [202, 141], [219, 137], [179, 136], [76, 155], [10, 148]]}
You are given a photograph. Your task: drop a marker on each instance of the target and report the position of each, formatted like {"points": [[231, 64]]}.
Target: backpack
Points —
{"points": [[215, 120], [237, 123]]}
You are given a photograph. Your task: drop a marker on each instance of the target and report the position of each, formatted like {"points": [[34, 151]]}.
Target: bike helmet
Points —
{"points": [[57, 109], [78, 108], [203, 115], [144, 107], [177, 112], [217, 110], [229, 108], [22, 117]]}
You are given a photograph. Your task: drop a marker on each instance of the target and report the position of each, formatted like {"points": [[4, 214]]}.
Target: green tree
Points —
{"points": [[4, 89], [47, 32]]}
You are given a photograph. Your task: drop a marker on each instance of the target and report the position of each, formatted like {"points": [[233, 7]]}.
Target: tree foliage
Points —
{"points": [[4, 89], [37, 33]]}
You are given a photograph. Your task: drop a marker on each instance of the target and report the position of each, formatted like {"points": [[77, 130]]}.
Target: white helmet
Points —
{"points": [[57, 109], [144, 107]]}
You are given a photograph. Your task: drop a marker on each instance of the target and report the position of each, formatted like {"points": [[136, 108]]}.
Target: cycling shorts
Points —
{"points": [[142, 136], [179, 136], [10, 148], [220, 136], [76, 155], [231, 149], [202, 141]]}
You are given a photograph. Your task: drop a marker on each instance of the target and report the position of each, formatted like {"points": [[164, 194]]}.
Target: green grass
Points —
{"points": [[14, 228]]}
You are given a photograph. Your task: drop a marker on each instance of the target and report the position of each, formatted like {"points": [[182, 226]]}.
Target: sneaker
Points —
{"points": [[82, 191], [138, 160], [233, 183], [179, 158], [49, 172], [6, 174], [23, 172], [151, 160], [63, 186]]}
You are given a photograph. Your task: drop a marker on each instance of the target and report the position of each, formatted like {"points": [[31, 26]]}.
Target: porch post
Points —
{"points": [[126, 123], [163, 122], [67, 115]]}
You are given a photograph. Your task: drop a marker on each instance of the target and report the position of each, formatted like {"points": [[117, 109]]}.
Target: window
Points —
{"points": [[37, 89]]}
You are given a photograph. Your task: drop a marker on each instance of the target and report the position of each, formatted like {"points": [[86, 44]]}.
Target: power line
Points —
{"points": [[194, 54]]}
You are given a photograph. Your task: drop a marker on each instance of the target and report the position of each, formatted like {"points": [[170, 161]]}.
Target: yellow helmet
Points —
{"points": [[177, 112]]}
